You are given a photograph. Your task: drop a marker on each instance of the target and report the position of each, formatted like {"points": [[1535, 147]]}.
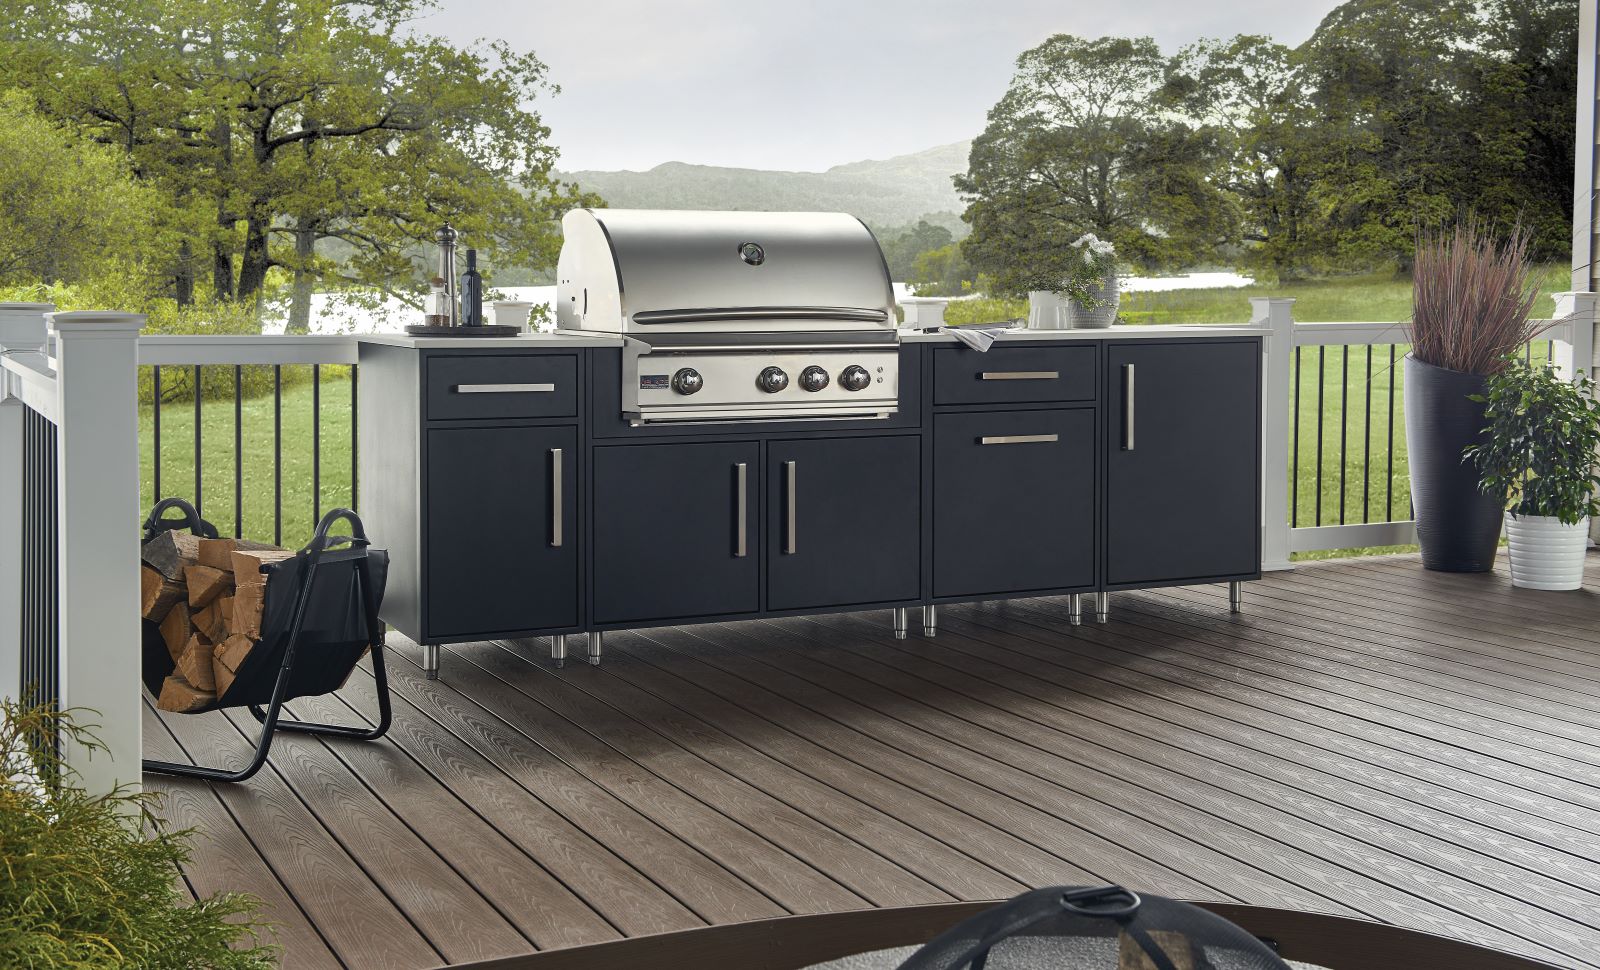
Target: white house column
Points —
{"points": [[97, 450], [1276, 314]]}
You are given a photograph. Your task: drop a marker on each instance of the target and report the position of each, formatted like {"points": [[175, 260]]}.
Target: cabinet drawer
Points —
{"points": [[542, 386], [1010, 375], [1013, 501]]}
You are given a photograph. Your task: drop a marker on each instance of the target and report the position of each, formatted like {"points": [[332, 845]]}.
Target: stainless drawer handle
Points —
{"points": [[557, 501], [1017, 439], [741, 511], [1127, 407], [789, 543], [503, 388], [1019, 375]]}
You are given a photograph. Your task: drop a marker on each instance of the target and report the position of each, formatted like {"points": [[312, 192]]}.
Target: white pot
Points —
{"points": [[1044, 310], [1544, 553]]}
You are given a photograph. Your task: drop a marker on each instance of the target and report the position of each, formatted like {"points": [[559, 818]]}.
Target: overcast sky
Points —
{"points": [[806, 85]]}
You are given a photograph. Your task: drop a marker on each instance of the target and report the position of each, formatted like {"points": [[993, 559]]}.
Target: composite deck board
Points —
{"points": [[233, 858], [1340, 867], [1366, 738]]}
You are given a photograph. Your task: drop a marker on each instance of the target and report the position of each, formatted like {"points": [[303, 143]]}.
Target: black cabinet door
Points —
{"points": [[675, 531], [1183, 474], [1013, 501], [501, 525], [843, 521]]}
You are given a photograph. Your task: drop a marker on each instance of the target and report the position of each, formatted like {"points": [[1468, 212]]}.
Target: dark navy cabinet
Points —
{"points": [[843, 521], [502, 530], [1183, 466], [1013, 501], [678, 534]]}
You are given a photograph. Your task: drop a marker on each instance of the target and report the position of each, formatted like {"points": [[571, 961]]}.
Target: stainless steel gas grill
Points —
{"points": [[730, 316]]}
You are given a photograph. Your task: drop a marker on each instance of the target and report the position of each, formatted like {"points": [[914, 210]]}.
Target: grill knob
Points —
{"points": [[772, 380], [687, 380], [855, 378], [813, 378]]}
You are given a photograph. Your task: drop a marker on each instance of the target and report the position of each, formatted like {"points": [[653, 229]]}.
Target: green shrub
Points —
{"points": [[83, 887]]}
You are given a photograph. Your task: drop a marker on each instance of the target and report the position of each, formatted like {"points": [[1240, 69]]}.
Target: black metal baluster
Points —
{"points": [[1294, 461], [1388, 477], [198, 504], [277, 454], [316, 444], [1321, 380], [238, 451], [1344, 422], [355, 438], [1366, 442], [155, 417]]}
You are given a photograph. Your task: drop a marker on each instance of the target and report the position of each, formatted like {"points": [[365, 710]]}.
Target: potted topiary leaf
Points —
{"points": [[1472, 295], [1537, 457]]}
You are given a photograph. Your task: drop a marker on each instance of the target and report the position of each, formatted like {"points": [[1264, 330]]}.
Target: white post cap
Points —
{"points": [[22, 325]]}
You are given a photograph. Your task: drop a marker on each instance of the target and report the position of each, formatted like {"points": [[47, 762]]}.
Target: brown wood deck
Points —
{"points": [[1367, 739]]}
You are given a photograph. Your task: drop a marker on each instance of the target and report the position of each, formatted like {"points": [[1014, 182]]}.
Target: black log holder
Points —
{"points": [[319, 618]]}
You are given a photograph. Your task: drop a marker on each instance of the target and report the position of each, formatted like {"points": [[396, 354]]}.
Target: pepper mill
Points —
{"points": [[445, 236]]}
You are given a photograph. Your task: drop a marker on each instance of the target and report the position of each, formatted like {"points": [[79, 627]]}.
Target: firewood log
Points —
{"points": [[226, 658], [205, 584], [209, 621], [224, 605], [247, 564], [247, 603], [157, 593], [195, 663], [179, 695], [218, 553], [170, 551], [175, 630]]}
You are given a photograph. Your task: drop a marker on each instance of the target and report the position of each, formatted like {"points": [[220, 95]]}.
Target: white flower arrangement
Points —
{"points": [[1097, 253]]}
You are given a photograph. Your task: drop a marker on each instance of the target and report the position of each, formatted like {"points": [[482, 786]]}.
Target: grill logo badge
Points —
{"points": [[752, 253]]}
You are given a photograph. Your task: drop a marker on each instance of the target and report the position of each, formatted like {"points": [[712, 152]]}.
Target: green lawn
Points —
{"points": [[256, 427], [1354, 406]]}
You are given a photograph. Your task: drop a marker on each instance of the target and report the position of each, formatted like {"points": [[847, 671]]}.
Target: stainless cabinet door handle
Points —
{"points": [[1017, 439], [789, 543], [741, 510], [1127, 407], [503, 388], [557, 500], [1019, 375]]}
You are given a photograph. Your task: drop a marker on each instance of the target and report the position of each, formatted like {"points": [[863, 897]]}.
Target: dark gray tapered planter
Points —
{"points": [[1458, 525]]}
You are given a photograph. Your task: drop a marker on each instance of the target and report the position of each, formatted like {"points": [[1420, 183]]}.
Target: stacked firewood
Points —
{"points": [[207, 596]]}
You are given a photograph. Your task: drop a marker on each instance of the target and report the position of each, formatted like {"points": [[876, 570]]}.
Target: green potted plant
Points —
{"points": [[1079, 289], [1472, 296], [1537, 458], [90, 880]]}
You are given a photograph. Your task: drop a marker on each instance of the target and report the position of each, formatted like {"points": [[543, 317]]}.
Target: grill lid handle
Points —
{"points": [[852, 314]]}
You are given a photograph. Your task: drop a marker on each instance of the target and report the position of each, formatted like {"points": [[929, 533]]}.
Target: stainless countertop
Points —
{"points": [[568, 339]]}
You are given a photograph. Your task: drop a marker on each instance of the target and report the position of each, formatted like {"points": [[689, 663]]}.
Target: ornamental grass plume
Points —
{"points": [[1472, 296]]}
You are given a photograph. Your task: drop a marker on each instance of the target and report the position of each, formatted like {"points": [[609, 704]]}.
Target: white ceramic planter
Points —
{"points": [[1079, 317], [1044, 310], [1544, 553]]}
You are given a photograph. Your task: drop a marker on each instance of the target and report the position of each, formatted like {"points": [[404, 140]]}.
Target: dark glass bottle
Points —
{"points": [[471, 293]]}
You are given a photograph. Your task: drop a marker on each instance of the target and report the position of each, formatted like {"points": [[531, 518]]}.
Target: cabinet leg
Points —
{"points": [[1075, 609], [596, 641], [558, 650], [900, 623], [930, 620], [1102, 606], [1235, 596], [430, 660]]}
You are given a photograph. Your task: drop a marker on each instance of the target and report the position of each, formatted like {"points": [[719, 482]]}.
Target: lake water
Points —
{"points": [[365, 313]]}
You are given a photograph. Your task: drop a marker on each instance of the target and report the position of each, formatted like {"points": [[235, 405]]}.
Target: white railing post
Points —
{"points": [[1276, 314], [22, 330], [97, 482], [1575, 351]]}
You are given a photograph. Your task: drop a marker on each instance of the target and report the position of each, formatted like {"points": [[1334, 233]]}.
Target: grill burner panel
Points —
{"points": [[732, 316]]}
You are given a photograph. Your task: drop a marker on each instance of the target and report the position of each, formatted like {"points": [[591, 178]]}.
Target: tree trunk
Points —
{"points": [[305, 244], [254, 262], [221, 271], [183, 278]]}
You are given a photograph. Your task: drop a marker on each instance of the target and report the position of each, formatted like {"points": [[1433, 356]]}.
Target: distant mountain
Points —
{"points": [[886, 193]]}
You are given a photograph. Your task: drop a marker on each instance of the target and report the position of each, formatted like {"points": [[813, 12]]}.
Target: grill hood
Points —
{"points": [[644, 271]]}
